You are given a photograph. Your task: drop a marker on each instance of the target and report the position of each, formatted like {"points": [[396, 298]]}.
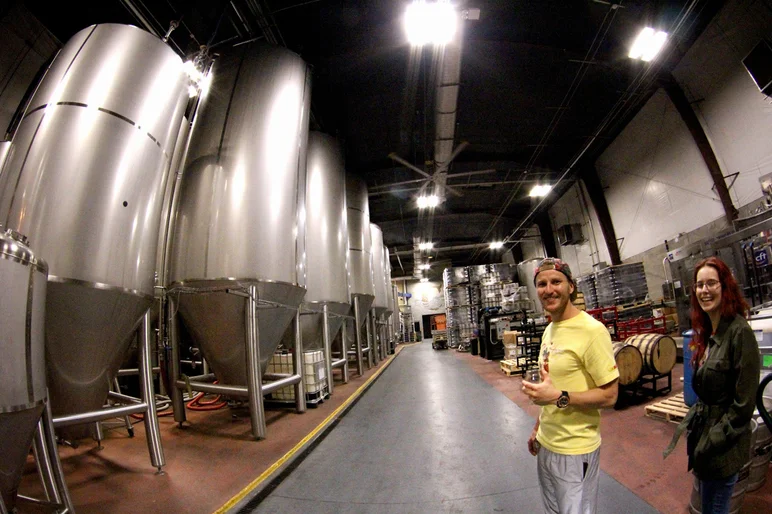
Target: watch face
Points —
{"points": [[563, 401]]}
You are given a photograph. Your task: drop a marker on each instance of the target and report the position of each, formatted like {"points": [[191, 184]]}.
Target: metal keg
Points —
{"points": [[22, 356]]}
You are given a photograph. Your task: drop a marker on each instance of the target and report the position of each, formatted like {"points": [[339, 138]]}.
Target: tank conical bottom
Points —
{"points": [[88, 330], [16, 431], [365, 302], [312, 326], [215, 320]]}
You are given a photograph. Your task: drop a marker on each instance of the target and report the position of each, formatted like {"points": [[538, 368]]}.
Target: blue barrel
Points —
{"points": [[690, 397]]}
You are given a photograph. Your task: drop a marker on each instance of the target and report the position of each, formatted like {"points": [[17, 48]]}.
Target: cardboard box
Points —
{"points": [[512, 351], [510, 337]]}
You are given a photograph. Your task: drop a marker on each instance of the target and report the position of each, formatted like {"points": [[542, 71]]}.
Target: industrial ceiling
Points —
{"points": [[532, 92]]}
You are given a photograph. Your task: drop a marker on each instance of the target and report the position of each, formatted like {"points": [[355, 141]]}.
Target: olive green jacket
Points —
{"points": [[719, 440]]}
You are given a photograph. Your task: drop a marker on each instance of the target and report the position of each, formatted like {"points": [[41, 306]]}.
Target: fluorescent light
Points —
{"points": [[648, 44], [496, 245], [430, 22], [425, 246], [428, 201], [540, 190]]}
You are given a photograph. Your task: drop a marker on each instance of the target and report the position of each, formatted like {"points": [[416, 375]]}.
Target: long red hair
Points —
{"points": [[732, 304]]}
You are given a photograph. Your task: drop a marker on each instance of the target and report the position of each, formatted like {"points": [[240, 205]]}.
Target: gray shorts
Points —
{"points": [[569, 483]]}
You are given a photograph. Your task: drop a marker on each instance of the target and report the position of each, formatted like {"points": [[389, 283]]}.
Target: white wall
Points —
{"points": [[736, 117], [574, 207], [656, 183], [427, 298]]}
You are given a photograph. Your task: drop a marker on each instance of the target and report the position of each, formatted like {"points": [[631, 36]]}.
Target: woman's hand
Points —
{"points": [[543, 393]]}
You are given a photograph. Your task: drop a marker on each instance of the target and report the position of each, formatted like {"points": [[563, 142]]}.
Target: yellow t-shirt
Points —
{"points": [[580, 357]]}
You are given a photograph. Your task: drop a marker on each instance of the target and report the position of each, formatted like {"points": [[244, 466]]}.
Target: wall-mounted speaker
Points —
{"points": [[759, 64]]}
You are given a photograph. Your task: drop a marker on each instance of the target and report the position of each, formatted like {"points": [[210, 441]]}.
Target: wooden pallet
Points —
{"points": [[672, 409], [509, 367]]}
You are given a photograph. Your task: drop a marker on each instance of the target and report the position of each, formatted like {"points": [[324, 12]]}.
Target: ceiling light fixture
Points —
{"points": [[424, 266], [540, 190], [424, 280], [428, 201], [199, 81], [496, 245], [648, 44], [430, 22], [425, 246]]}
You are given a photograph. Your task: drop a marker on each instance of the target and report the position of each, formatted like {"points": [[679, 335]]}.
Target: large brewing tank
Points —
{"points": [[326, 240], [22, 361], [359, 244], [395, 302], [525, 272], [84, 182], [240, 220], [387, 281], [381, 302]]}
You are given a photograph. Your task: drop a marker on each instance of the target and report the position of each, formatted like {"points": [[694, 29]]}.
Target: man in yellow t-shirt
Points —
{"points": [[578, 378]]}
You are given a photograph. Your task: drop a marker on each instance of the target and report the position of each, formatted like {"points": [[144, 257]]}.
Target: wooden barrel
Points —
{"points": [[658, 352], [629, 363]]}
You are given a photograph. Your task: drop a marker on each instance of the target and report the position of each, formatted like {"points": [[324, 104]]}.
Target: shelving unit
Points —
{"points": [[529, 341]]}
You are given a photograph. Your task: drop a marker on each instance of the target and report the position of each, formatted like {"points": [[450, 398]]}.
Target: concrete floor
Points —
{"points": [[436, 431]]}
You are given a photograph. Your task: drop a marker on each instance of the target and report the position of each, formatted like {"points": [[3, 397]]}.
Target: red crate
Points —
{"points": [[634, 327], [609, 317]]}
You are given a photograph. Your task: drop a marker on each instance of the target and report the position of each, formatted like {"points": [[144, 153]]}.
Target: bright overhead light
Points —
{"points": [[424, 279], [496, 245], [424, 266], [430, 22], [428, 201], [648, 44], [540, 190], [199, 82], [425, 246]]}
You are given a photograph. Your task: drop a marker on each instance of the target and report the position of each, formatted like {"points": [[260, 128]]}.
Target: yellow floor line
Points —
{"points": [[298, 447]]}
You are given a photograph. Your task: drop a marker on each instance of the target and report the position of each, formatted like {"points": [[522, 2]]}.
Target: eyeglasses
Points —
{"points": [[711, 285]]}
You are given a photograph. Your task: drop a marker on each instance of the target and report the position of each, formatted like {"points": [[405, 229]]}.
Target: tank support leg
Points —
{"points": [[358, 336], [178, 405], [327, 348], [344, 349], [254, 375], [152, 431], [300, 386], [374, 349], [48, 463]]}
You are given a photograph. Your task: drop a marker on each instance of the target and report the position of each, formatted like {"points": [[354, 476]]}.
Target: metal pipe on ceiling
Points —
{"points": [[471, 184], [141, 18]]}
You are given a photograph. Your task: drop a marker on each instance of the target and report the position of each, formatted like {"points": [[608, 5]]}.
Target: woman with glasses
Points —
{"points": [[726, 367]]}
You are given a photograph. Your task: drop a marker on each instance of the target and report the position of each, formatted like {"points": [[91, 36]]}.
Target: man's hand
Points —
{"points": [[533, 444], [543, 393]]}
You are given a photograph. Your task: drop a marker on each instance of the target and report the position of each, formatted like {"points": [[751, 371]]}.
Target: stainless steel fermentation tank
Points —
{"points": [[23, 393], [237, 260], [381, 302], [84, 181], [395, 322], [327, 291], [389, 315], [360, 270]]}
